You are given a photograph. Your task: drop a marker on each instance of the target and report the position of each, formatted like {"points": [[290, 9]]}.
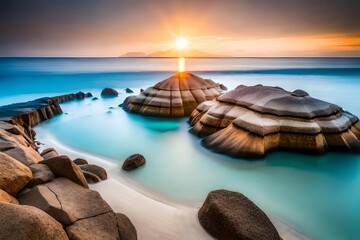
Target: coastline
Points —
{"points": [[153, 214]]}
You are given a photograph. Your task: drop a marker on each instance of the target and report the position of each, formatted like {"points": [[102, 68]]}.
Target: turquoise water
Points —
{"points": [[317, 195]]}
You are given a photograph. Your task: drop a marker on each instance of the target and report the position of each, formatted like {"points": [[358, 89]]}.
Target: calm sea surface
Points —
{"points": [[317, 195]]}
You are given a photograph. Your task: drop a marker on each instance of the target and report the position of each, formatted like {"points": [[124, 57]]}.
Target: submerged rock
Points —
{"points": [[80, 95], [176, 96], [109, 92], [133, 161], [95, 98], [13, 175], [62, 166], [231, 215], [26, 222], [128, 90], [250, 121]]}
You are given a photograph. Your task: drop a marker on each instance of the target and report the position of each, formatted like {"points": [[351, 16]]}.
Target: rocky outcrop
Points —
{"points": [[107, 225], [5, 197], [65, 201], [174, 97], [91, 178], [109, 92], [49, 153], [26, 222], [70, 202], [83, 211], [13, 175], [126, 228], [80, 161], [231, 215], [133, 161], [62, 166], [94, 169], [41, 174], [18, 145], [250, 121]]}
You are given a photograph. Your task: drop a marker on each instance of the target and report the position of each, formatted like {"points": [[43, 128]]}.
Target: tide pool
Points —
{"points": [[317, 195]]}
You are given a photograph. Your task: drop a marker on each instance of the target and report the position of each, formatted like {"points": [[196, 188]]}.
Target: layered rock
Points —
{"points": [[231, 215], [250, 121], [26, 222], [176, 96]]}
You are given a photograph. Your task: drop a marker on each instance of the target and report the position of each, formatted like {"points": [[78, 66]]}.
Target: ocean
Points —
{"points": [[318, 196]]}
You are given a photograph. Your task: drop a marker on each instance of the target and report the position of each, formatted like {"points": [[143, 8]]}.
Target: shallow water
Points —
{"points": [[317, 195]]}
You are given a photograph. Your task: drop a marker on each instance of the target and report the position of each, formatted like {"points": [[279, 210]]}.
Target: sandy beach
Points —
{"points": [[155, 216]]}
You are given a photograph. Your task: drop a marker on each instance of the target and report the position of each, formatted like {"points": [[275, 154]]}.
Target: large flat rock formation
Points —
{"points": [[250, 121], [174, 97]]}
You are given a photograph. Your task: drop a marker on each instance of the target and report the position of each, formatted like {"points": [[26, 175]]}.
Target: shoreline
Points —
{"points": [[165, 217]]}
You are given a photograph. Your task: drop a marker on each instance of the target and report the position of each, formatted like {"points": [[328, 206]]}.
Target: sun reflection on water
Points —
{"points": [[181, 66]]}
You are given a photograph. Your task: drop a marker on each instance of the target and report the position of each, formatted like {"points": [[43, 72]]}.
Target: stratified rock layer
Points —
{"points": [[249, 121], [176, 96]]}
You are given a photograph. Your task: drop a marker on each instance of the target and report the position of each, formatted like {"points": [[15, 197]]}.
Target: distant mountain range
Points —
{"points": [[172, 53]]}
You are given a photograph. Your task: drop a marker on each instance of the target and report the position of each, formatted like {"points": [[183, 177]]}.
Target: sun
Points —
{"points": [[181, 43]]}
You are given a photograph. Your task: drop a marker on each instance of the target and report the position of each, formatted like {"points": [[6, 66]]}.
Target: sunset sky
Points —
{"points": [[248, 28]]}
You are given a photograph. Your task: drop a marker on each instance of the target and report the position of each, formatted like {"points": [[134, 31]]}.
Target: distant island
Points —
{"points": [[172, 53]]}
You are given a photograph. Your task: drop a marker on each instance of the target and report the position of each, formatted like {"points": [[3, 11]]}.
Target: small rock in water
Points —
{"points": [[134, 161], [80, 95], [128, 90], [111, 108], [223, 87], [94, 98], [109, 112], [89, 94], [141, 90], [109, 92]]}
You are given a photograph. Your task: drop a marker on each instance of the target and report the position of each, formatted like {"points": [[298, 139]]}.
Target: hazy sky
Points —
{"points": [[226, 27]]}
